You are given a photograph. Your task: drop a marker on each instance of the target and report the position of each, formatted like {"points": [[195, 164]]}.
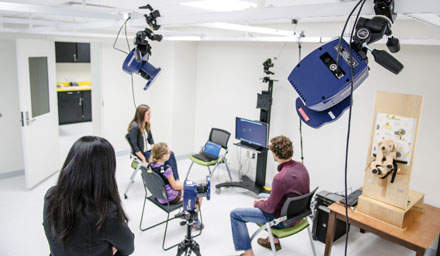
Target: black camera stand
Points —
{"points": [[189, 245], [264, 103]]}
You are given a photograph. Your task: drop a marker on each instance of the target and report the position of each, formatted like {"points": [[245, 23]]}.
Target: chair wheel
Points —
{"points": [[125, 196]]}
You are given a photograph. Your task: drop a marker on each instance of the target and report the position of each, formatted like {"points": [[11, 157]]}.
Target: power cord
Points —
{"points": [[124, 25], [362, 2], [300, 121]]}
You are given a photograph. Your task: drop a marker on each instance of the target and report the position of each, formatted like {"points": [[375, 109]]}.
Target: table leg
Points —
{"points": [[438, 246], [420, 252], [331, 227]]}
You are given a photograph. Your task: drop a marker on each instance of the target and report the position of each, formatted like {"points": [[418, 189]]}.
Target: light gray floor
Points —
{"points": [[22, 232]]}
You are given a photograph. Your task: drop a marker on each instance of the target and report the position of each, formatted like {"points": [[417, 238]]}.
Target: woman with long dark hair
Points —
{"points": [[83, 213], [139, 130]]}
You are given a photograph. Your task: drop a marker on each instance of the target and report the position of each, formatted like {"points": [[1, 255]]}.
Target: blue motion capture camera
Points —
{"points": [[322, 81], [192, 191]]}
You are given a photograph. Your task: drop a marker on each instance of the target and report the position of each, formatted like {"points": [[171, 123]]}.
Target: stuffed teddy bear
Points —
{"points": [[385, 154]]}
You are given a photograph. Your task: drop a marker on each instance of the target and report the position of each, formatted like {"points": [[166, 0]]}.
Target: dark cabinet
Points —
{"points": [[72, 52], [86, 105], [74, 106]]}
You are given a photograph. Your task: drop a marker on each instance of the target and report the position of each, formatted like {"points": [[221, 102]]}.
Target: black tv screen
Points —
{"points": [[252, 132]]}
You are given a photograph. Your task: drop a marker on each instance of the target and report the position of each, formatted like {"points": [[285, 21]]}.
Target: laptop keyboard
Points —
{"points": [[204, 157]]}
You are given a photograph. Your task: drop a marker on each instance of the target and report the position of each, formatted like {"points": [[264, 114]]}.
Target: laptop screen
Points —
{"points": [[212, 149]]}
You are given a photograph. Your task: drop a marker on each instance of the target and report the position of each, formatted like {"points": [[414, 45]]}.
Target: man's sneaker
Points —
{"points": [[265, 242]]}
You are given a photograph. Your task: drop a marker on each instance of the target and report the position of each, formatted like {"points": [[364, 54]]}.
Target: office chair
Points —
{"points": [[154, 183], [294, 209], [220, 137], [136, 164]]}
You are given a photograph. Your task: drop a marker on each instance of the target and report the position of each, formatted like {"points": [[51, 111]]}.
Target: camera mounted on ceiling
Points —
{"points": [[143, 48], [137, 60], [371, 30], [152, 17], [323, 79]]}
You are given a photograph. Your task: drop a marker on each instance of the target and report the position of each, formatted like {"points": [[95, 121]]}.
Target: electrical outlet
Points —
{"points": [[253, 155]]}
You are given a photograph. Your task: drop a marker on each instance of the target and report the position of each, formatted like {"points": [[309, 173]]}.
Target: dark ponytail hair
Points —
{"points": [[86, 185]]}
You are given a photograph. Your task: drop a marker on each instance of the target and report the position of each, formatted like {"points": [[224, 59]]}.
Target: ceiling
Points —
{"points": [[268, 20]]}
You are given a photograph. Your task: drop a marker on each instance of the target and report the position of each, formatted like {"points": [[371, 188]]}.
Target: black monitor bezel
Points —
{"points": [[252, 144]]}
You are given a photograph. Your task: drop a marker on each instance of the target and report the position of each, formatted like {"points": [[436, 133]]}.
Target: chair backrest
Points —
{"points": [[220, 137], [154, 183], [296, 208]]}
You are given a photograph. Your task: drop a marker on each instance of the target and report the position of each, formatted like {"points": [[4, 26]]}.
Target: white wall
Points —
{"points": [[11, 149], [208, 84], [73, 72], [171, 97], [183, 97], [227, 84], [96, 78]]}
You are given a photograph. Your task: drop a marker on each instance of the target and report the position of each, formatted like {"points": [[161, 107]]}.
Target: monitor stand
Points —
{"points": [[259, 186], [245, 182]]}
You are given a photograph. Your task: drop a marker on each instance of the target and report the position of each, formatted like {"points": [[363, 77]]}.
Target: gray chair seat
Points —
{"points": [[166, 208]]}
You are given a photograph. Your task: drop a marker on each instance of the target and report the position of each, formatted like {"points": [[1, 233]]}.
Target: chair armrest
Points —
{"points": [[297, 218], [223, 155], [268, 225], [277, 221]]}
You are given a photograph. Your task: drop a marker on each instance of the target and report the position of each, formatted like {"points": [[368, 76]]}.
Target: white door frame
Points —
{"points": [[40, 133]]}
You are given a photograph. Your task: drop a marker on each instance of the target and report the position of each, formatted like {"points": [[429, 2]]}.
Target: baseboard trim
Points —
{"points": [[123, 153], [182, 157], [11, 174], [127, 152]]}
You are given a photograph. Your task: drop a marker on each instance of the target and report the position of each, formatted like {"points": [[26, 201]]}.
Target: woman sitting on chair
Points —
{"points": [[139, 131], [83, 213], [174, 188]]}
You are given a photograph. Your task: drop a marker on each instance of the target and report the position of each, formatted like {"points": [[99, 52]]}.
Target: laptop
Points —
{"points": [[210, 152]]}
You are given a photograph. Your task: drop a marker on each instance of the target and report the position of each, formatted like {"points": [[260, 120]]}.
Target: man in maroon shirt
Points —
{"points": [[292, 180]]}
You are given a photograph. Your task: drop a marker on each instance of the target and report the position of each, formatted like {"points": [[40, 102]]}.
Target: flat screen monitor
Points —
{"points": [[251, 132]]}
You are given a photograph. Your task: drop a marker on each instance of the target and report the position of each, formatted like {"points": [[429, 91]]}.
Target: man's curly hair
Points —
{"points": [[282, 147]]}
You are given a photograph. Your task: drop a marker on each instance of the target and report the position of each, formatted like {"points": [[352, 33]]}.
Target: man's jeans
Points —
{"points": [[239, 217]]}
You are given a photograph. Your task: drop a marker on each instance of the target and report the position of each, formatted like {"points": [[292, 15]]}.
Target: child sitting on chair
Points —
{"points": [[160, 153]]}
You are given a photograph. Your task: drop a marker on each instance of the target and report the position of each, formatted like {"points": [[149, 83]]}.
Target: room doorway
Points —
{"points": [[76, 92]]}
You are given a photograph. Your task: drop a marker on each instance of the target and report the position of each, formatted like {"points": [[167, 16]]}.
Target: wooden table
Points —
{"points": [[422, 227]]}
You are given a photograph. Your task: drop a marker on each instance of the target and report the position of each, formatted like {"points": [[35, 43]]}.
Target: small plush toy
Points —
{"points": [[385, 155]]}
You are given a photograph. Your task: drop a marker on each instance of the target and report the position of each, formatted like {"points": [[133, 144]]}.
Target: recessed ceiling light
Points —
{"points": [[220, 5]]}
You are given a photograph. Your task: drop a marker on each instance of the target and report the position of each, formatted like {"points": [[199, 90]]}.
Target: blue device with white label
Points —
{"points": [[322, 81], [192, 191]]}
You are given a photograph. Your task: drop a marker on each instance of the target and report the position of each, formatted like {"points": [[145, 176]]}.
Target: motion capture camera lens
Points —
{"points": [[202, 188], [144, 75]]}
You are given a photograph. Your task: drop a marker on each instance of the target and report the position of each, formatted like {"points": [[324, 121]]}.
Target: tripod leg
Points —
{"points": [[195, 248], [181, 248]]}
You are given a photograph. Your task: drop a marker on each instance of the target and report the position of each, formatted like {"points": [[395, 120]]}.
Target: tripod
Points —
{"points": [[189, 245]]}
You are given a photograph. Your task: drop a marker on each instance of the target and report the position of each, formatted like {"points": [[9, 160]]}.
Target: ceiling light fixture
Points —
{"points": [[220, 5], [246, 28]]}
